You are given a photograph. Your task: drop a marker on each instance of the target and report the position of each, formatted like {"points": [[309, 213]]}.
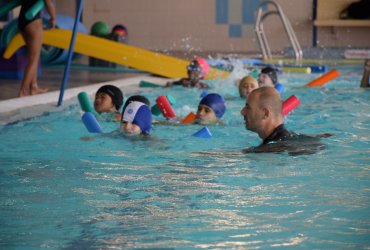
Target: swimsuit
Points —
{"points": [[279, 134], [22, 20]]}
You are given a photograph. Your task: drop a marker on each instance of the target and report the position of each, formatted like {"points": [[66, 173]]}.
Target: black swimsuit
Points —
{"points": [[22, 20], [280, 133]]}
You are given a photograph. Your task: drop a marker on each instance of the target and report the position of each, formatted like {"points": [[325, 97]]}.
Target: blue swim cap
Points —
{"points": [[216, 103], [139, 114]]}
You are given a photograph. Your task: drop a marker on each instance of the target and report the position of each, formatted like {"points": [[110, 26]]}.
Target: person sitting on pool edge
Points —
{"points": [[197, 70], [210, 109], [267, 77], [136, 118], [365, 82], [263, 115], [246, 85], [109, 99]]}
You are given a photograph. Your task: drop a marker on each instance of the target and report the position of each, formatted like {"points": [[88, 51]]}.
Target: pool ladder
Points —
{"points": [[266, 51]]}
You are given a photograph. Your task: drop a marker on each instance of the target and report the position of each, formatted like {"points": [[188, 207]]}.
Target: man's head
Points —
{"points": [[262, 112], [267, 77]]}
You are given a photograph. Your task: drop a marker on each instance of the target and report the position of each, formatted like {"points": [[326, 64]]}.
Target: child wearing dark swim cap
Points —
{"points": [[197, 70], [136, 118], [267, 77], [210, 109], [108, 99]]}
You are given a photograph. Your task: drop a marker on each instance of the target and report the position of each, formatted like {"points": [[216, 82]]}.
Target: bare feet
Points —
{"points": [[22, 93], [37, 90]]}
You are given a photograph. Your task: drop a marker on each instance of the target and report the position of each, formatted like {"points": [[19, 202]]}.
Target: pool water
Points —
{"points": [[63, 188]]}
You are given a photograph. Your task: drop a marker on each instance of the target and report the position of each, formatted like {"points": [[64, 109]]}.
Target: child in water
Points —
{"points": [[210, 109], [136, 118], [246, 85], [197, 70], [267, 77], [108, 99]]}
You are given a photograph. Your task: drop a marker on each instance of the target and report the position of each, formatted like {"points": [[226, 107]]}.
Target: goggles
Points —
{"points": [[193, 67]]}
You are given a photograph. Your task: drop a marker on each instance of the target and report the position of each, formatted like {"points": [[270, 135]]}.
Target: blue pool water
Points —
{"points": [[61, 190]]}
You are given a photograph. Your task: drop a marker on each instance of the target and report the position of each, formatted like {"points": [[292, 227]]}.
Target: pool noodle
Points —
{"points": [[289, 104], [165, 107], [91, 123], [189, 118], [5, 8], [156, 111], [85, 102], [279, 87], [145, 84], [37, 7], [332, 74]]}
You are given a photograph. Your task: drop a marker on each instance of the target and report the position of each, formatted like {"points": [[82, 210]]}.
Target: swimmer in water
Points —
{"points": [[197, 70], [246, 85], [210, 109], [263, 115]]}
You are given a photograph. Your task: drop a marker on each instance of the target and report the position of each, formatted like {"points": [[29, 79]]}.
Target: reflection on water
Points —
{"points": [[178, 191]]}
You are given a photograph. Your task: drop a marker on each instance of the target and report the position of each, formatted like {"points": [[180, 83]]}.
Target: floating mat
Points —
{"points": [[119, 53]]}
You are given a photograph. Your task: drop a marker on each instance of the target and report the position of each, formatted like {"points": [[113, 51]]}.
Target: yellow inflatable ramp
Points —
{"points": [[115, 52]]}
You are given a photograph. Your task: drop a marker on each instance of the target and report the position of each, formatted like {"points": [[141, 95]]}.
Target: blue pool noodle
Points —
{"points": [[91, 123], [279, 87]]}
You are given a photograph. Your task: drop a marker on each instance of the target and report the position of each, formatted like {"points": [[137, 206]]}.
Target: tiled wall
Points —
{"points": [[224, 26]]}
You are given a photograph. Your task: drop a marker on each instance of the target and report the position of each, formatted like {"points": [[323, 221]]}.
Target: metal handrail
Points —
{"points": [[261, 36]]}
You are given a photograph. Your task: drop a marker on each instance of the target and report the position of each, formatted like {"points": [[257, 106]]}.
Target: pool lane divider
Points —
{"points": [[320, 81]]}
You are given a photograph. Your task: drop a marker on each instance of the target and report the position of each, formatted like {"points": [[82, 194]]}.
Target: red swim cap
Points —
{"points": [[204, 66]]}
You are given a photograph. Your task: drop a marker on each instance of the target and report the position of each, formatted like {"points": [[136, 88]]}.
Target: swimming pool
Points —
{"points": [[62, 191]]}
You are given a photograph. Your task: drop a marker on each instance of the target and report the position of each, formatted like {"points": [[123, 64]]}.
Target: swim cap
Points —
{"points": [[139, 114], [115, 93], [204, 66], [216, 103], [272, 74], [248, 79], [136, 98]]}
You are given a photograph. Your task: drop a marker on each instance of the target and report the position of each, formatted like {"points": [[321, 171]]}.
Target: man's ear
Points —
{"points": [[266, 113]]}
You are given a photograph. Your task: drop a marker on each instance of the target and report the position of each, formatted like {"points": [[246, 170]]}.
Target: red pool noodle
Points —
{"points": [[332, 74], [165, 107], [289, 104]]}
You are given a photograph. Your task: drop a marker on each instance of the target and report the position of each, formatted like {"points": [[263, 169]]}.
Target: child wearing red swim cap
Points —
{"points": [[197, 70]]}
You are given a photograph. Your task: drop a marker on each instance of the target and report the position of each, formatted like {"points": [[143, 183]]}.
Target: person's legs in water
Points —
{"points": [[32, 35]]}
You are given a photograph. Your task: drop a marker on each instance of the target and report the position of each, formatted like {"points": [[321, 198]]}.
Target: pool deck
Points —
{"points": [[13, 108]]}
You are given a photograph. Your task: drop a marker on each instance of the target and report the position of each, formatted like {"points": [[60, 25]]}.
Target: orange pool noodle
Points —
{"points": [[189, 118], [332, 74], [289, 104]]}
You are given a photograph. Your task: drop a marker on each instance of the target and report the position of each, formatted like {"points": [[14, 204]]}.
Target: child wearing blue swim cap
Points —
{"points": [[136, 118], [210, 109]]}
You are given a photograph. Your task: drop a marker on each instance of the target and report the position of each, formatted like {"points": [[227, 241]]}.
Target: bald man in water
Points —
{"points": [[263, 115]]}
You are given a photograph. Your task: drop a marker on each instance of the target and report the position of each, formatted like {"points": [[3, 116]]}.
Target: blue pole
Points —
{"points": [[70, 53]]}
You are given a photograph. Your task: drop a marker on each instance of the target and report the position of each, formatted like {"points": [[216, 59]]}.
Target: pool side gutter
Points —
{"points": [[16, 109]]}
